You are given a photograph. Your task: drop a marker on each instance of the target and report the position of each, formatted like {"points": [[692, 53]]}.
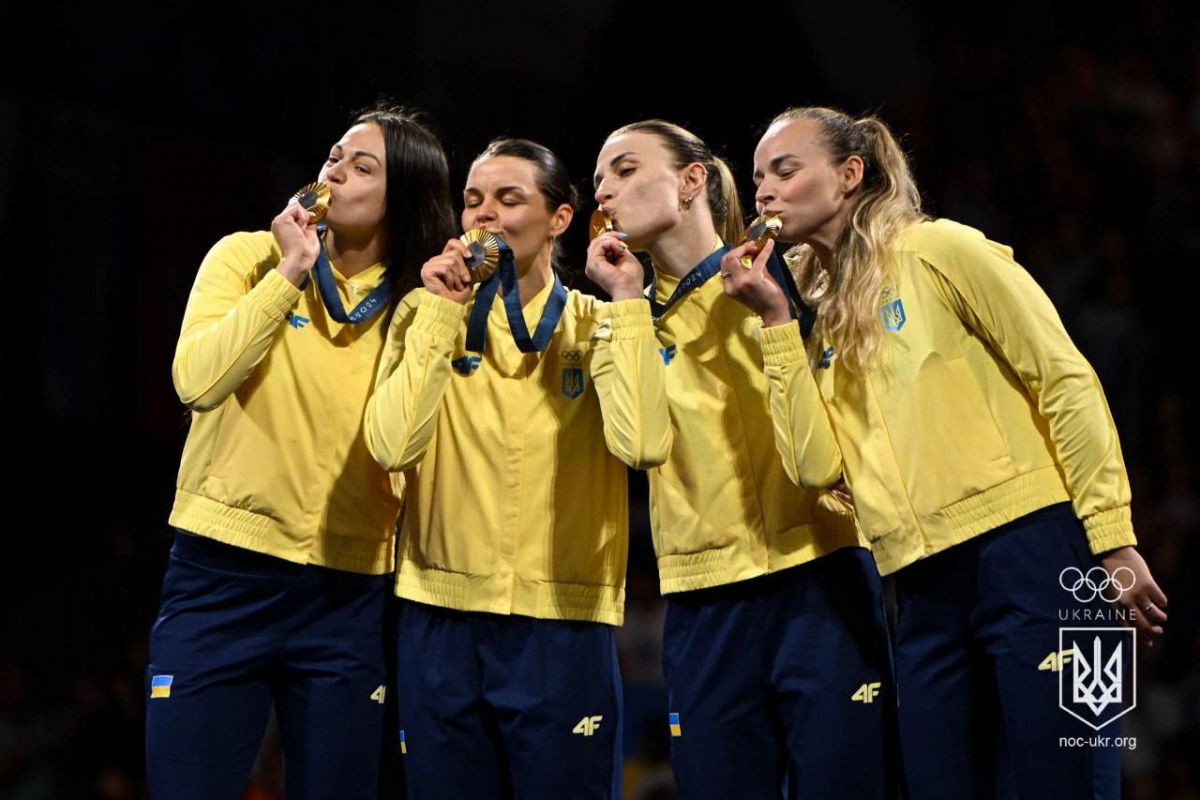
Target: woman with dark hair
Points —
{"points": [[514, 448], [984, 464], [277, 581], [774, 646]]}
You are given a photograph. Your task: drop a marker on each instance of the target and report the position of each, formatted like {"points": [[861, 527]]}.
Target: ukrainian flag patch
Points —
{"points": [[673, 720], [160, 686], [403, 746]]}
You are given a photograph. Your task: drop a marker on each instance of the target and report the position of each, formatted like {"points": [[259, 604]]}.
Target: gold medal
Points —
{"points": [[761, 230], [485, 253], [600, 223], [315, 197]]}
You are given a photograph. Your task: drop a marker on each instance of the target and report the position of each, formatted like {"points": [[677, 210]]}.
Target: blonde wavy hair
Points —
{"points": [[685, 148], [846, 293]]}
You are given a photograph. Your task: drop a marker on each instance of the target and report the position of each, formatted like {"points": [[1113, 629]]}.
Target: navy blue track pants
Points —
{"points": [[978, 668], [238, 630], [497, 706], [782, 683]]}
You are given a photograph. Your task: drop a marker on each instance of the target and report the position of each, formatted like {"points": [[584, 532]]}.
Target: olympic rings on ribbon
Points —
{"points": [[1096, 582]]}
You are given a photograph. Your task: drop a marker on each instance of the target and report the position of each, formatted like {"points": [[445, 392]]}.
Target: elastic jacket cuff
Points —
{"points": [[782, 345], [630, 319], [1109, 530], [440, 318], [274, 295]]}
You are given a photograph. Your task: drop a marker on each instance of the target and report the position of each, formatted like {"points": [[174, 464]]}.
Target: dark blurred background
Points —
{"points": [[129, 144]]}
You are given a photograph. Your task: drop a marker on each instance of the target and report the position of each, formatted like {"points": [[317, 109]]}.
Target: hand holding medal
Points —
{"points": [[295, 231], [448, 274], [610, 265], [747, 278]]}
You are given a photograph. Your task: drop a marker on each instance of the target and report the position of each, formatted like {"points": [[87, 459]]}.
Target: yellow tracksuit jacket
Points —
{"points": [[722, 507], [516, 488], [275, 459], [979, 410]]}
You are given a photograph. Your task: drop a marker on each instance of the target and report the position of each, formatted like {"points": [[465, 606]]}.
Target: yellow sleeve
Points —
{"points": [[414, 372], [803, 434], [998, 300], [630, 381], [229, 324]]}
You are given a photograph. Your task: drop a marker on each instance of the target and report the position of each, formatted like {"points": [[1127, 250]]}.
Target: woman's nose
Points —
{"points": [[485, 212]]}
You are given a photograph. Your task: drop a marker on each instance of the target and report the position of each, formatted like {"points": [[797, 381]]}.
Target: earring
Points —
{"points": [[686, 202]]}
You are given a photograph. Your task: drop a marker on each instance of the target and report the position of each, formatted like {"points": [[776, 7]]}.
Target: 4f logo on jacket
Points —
{"points": [[465, 365], [297, 321], [667, 354]]}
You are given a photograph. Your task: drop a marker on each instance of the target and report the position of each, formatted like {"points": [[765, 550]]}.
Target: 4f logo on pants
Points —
{"points": [[866, 693], [587, 726]]}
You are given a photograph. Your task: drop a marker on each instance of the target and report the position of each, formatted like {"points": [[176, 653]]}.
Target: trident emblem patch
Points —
{"points": [[572, 382], [893, 315]]}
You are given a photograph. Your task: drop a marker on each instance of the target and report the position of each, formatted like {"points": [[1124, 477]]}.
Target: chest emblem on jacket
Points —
{"points": [[465, 365], [297, 321], [893, 315], [667, 353], [572, 382]]}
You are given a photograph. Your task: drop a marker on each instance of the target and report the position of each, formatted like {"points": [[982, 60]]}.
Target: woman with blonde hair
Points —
{"points": [[774, 647], [984, 465]]}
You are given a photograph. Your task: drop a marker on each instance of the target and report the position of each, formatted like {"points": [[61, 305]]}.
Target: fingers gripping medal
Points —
{"points": [[761, 230], [485, 253], [314, 197]]}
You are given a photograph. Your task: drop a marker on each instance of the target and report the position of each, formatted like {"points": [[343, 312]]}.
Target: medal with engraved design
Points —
{"points": [[761, 230], [315, 197], [485, 253], [600, 223]]}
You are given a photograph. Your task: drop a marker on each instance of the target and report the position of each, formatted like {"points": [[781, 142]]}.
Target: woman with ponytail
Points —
{"points": [[984, 465], [774, 622], [515, 451]]}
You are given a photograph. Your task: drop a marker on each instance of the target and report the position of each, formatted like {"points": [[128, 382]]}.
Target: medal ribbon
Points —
{"points": [[368, 307], [505, 277], [801, 311], [696, 277]]}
